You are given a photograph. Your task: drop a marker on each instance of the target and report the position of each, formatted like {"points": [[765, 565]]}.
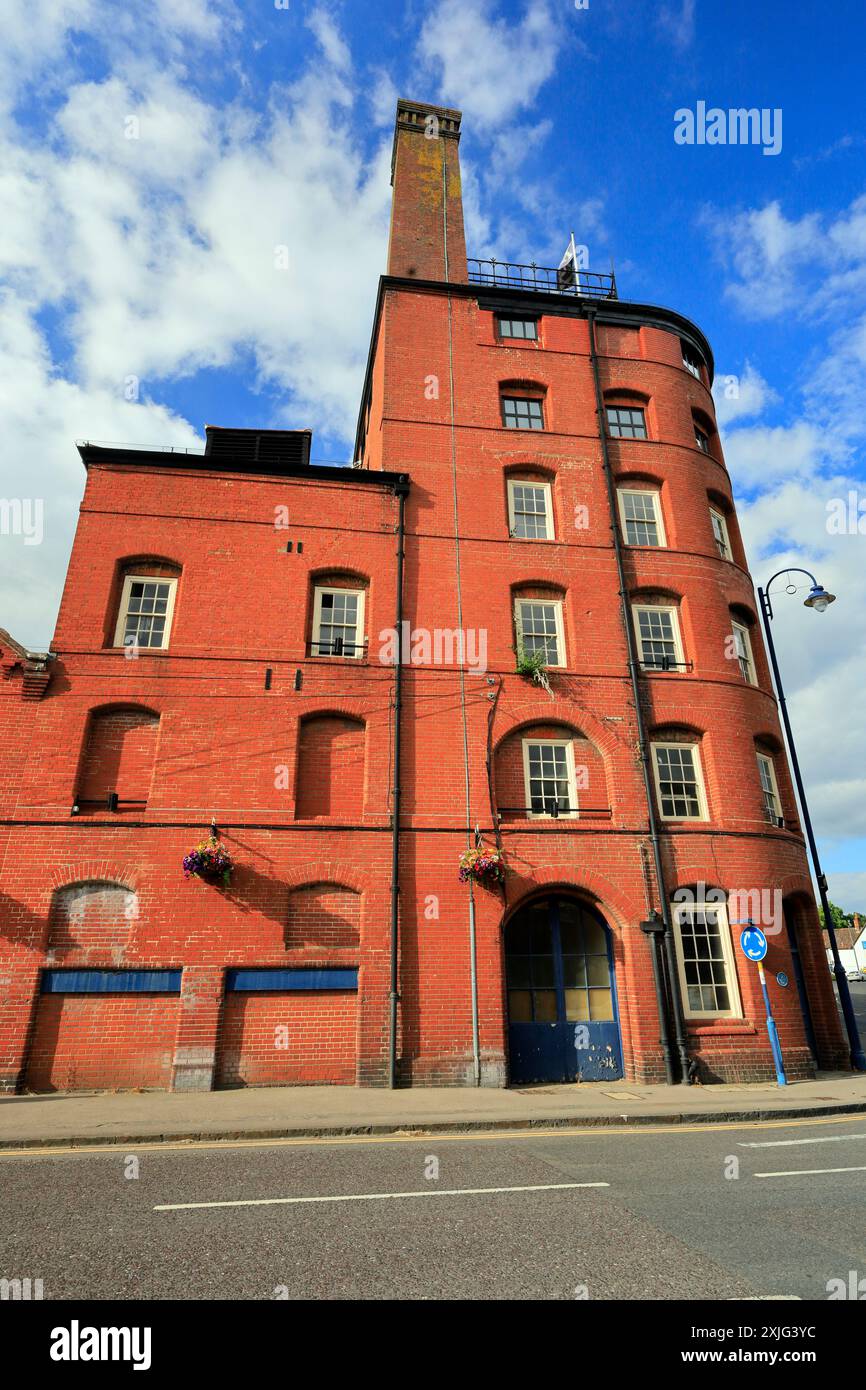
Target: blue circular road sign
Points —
{"points": [[754, 943]]}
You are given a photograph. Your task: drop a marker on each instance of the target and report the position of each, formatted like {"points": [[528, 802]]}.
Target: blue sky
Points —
{"points": [[155, 155]]}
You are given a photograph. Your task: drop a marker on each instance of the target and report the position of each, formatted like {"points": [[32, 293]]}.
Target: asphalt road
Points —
{"points": [[670, 1223]]}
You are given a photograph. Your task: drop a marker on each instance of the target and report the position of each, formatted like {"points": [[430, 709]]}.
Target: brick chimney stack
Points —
{"points": [[427, 238]]}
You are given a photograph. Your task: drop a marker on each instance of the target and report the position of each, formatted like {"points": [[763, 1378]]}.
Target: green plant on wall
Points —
{"points": [[534, 666]]}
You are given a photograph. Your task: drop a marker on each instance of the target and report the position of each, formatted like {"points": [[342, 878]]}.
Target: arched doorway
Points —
{"points": [[563, 1022], [792, 931]]}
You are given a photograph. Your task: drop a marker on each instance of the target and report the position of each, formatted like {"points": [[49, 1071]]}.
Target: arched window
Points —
{"points": [[522, 405], [705, 956], [705, 432], [640, 512], [692, 360], [549, 770], [658, 631], [740, 645], [147, 589], [539, 625], [678, 774], [331, 756], [118, 759], [765, 753], [626, 414], [339, 612], [530, 505]]}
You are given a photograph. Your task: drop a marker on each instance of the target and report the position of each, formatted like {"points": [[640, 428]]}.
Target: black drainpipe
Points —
{"points": [[401, 489], [633, 666]]}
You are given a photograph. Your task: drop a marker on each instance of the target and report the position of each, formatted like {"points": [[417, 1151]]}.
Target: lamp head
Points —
{"points": [[819, 599]]}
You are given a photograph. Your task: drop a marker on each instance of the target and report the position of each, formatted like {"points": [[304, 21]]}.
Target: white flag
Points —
{"points": [[566, 276]]}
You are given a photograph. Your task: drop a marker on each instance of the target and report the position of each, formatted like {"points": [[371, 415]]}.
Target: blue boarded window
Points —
{"points": [[245, 981], [111, 981]]}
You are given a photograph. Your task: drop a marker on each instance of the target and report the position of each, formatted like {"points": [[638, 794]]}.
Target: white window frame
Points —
{"points": [[556, 604], [699, 780], [731, 980], [699, 430], [122, 612], [716, 515], [548, 508], [768, 760], [360, 642], [568, 745], [637, 609], [740, 629], [691, 365], [622, 492]]}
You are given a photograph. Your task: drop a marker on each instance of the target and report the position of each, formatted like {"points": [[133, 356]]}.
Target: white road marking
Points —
{"points": [[381, 1196], [783, 1143], [808, 1172]]}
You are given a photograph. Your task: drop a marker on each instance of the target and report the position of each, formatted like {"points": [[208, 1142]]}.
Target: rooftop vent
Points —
{"points": [[287, 448]]}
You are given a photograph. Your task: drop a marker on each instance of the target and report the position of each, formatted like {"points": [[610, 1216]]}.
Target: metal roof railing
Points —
{"points": [[544, 279]]}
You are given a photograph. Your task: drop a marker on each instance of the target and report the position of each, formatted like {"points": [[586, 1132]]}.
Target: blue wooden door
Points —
{"points": [[562, 1012]]}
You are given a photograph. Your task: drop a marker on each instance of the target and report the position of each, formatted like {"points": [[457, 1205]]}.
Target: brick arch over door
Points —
{"points": [[617, 909], [630, 949]]}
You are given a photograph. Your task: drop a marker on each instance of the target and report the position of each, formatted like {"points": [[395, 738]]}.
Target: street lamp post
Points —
{"points": [[818, 599]]}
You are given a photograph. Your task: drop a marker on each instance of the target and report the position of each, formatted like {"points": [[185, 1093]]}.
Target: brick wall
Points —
{"points": [[112, 1042], [288, 1040], [297, 766]]}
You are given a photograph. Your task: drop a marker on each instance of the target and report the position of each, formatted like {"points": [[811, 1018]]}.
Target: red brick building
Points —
{"points": [[523, 619]]}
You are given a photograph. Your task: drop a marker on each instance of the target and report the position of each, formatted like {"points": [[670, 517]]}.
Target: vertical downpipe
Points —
{"points": [[673, 977], [393, 996], [473, 940]]}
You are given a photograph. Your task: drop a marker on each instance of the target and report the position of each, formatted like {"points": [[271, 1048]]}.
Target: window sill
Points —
{"points": [[141, 651], [341, 660], [721, 1028], [583, 818]]}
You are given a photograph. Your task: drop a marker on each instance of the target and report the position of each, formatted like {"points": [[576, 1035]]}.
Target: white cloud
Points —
{"points": [[487, 67], [677, 22], [821, 656], [161, 254], [383, 99], [813, 268], [42, 415], [741, 396], [760, 455], [334, 47], [775, 261], [848, 890]]}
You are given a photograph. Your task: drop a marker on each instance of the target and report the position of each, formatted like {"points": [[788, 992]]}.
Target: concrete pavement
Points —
{"points": [[87, 1118]]}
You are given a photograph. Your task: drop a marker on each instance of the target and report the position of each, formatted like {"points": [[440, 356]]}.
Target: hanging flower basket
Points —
{"points": [[483, 865], [209, 861]]}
